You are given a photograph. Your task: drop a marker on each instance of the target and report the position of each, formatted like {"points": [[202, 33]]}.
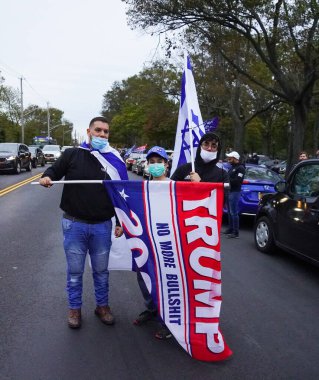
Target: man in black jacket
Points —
{"points": [[88, 210], [206, 168], [236, 175]]}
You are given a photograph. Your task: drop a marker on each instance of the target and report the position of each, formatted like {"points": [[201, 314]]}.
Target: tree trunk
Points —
{"points": [[239, 131], [297, 133]]}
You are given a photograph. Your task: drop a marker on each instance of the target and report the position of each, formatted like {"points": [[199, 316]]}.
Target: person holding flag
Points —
{"points": [[88, 210], [207, 157]]}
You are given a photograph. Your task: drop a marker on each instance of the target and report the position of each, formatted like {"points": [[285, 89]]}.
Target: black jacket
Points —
{"points": [[84, 201], [236, 175], [208, 172]]}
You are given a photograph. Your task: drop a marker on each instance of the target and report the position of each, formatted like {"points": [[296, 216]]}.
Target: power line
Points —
{"points": [[32, 88], [10, 70], [17, 75]]}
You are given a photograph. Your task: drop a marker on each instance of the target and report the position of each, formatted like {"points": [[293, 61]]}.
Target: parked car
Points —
{"points": [[257, 182], [280, 168], [14, 157], [139, 166], [51, 152], [289, 219], [130, 160], [265, 161], [37, 156]]}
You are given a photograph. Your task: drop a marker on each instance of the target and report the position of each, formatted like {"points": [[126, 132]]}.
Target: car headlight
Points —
{"points": [[11, 158], [58, 154]]}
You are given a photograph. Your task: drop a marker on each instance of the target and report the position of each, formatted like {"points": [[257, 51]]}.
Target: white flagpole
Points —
{"points": [[73, 181], [91, 181], [189, 116]]}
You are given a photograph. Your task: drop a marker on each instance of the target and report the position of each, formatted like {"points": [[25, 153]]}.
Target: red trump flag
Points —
{"points": [[173, 231]]}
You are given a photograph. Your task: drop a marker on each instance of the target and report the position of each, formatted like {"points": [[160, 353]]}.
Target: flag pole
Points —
{"points": [[91, 181], [189, 116], [70, 182]]}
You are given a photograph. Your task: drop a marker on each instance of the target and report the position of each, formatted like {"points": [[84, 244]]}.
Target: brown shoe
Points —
{"points": [[105, 314], [74, 318]]}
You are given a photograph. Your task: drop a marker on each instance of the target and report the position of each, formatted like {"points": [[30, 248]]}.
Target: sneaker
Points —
{"points": [[74, 318], [145, 316], [163, 333], [105, 315], [233, 236]]}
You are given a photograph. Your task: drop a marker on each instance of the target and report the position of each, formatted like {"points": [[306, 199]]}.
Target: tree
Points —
{"points": [[283, 34], [9, 113], [143, 108]]}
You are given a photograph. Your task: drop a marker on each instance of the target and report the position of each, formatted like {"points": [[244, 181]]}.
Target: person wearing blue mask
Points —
{"points": [[157, 161], [87, 213]]}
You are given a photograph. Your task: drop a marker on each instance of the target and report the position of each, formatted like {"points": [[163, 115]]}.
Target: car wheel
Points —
{"points": [[17, 169], [264, 236], [29, 167]]}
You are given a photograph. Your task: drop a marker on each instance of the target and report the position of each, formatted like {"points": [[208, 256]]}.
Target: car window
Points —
{"points": [[23, 149], [261, 174], [8, 147], [306, 181], [51, 147]]}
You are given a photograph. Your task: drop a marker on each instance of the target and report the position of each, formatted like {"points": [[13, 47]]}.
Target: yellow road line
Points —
{"points": [[19, 184]]}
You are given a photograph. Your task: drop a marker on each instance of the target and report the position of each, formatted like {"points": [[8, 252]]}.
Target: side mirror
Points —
{"points": [[280, 186]]}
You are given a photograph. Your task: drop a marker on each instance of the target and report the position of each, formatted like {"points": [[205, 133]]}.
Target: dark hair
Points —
{"points": [[98, 118], [210, 136]]}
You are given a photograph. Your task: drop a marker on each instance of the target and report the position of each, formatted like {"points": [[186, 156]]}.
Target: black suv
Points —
{"points": [[14, 157], [289, 219]]}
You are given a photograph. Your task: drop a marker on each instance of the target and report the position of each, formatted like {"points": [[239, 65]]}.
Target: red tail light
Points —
{"points": [[246, 181]]}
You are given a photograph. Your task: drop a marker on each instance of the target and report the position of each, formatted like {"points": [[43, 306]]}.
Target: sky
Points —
{"points": [[70, 52]]}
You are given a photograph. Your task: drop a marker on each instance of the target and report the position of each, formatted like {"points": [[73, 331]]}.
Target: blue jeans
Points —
{"points": [[80, 239], [233, 217]]}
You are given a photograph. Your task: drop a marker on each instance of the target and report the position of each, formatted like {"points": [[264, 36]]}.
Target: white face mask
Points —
{"points": [[208, 156]]}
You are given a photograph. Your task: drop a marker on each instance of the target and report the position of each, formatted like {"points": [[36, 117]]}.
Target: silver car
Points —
{"points": [[51, 152]]}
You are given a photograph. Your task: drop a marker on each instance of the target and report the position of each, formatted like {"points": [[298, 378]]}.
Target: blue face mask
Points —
{"points": [[99, 143], [156, 170]]}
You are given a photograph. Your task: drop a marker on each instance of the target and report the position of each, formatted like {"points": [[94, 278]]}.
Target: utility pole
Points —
{"points": [[21, 111], [48, 118]]}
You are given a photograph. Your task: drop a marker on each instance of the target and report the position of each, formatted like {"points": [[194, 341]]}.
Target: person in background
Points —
{"points": [[303, 156], [236, 175], [88, 211], [157, 160]]}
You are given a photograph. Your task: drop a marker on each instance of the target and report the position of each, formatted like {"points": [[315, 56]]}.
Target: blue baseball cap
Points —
{"points": [[157, 150]]}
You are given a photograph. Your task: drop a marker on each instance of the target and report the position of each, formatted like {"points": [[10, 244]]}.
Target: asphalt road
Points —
{"points": [[269, 313]]}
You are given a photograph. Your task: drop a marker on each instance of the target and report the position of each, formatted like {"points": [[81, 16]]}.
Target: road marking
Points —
{"points": [[19, 184]]}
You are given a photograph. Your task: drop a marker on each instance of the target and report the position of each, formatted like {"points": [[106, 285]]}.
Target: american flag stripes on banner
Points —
{"points": [[173, 231]]}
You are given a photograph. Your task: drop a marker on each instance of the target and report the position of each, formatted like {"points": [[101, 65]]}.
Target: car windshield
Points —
{"points": [[51, 147], [8, 147], [261, 174], [32, 149]]}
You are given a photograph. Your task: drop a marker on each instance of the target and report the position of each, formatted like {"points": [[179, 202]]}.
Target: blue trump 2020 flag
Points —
{"points": [[189, 119]]}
